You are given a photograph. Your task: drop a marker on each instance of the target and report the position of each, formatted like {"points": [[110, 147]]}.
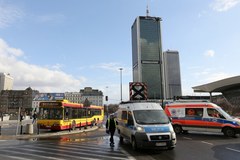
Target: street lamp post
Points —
{"points": [[107, 99], [121, 82]]}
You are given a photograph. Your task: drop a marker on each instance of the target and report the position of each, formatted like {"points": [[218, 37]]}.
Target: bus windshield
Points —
{"points": [[51, 113], [150, 117]]}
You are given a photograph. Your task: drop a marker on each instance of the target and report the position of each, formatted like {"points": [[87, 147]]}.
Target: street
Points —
{"points": [[95, 145]]}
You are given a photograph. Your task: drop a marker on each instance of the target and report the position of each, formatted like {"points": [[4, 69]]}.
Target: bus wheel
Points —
{"points": [[177, 129], [73, 125], [134, 144], [229, 132]]}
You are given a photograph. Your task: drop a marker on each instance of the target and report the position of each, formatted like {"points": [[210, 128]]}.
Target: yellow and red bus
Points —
{"points": [[62, 115]]}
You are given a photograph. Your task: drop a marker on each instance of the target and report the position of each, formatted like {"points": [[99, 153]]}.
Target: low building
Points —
{"points": [[13, 100], [94, 96], [74, 97]]}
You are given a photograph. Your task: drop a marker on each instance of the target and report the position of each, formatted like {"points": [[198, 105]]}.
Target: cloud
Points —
{"points": [[223, 5], [9, 14], [37, 77], [209, 53]]}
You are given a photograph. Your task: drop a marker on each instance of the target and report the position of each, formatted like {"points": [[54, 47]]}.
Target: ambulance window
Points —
{"points": [[124, 115], [214, 113], [194, 112]]}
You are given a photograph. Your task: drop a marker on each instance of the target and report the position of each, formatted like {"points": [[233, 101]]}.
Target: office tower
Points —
{"points": [[172, 74], [147, 55], [6, 81]]}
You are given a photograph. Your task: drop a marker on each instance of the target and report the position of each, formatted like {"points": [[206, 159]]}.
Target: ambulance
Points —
{"points": [[145, 125], [203, 117]]}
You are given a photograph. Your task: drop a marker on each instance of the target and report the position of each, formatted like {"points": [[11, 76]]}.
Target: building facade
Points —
{"points": [[12, 100], [74, 97], [172, 74], [94, 96], [6, 81], [147, 55]]}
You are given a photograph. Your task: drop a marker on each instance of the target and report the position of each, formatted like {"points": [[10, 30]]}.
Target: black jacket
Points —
{"points": [[111, 124]]}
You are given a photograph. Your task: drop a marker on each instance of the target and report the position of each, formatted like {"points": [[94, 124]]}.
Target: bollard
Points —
{"points": [[80, 126], [38, 129], [29, 129], [0, 130], [21, 129]]}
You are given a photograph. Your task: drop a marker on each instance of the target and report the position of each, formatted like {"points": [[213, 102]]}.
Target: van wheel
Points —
{"points": [[134, 144], [229, 132], [177, 129]]}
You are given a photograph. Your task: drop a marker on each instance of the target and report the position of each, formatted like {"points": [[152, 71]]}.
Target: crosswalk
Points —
{"points": [[64, 150]]}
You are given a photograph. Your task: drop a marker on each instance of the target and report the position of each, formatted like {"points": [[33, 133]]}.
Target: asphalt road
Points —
{"points": [[95, 145]]}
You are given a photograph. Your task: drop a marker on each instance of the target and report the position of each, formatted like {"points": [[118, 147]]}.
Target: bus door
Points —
{"points": [[67, 113]]}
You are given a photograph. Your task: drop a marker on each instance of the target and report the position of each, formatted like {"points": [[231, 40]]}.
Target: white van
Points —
{"points": [[145, 125], [203, 117]]}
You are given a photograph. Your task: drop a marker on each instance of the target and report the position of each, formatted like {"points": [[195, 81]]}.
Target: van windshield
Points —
{"points": [[225, 114], [150, 117]]}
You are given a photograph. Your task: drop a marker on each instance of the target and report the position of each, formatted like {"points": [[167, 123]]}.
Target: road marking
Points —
{"points": [[127, 154], [233, 149], [207, 143], [187, 138]]}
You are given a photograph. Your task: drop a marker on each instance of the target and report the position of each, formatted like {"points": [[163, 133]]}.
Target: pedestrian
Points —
{"points": [[34, 117], [110, 128]]}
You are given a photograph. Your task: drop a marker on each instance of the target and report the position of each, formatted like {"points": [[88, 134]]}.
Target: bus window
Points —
{"points": [[66, 113]]}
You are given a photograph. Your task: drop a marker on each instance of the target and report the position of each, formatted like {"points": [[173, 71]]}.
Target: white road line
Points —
{"points": [[207, 143], [127, 154], [15, 157], [77, 152], [233, 149], [187, 138], [29, 154]]}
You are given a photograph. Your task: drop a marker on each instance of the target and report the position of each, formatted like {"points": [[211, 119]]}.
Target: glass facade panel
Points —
{"points": [[150, 40], [147, 55], [152, 78]]}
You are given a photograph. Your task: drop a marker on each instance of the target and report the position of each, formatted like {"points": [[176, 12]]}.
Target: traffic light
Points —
{"points": [[106, 98]]}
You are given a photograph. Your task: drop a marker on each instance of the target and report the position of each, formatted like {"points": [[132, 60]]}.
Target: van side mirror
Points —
{"points": [[170, 119]]}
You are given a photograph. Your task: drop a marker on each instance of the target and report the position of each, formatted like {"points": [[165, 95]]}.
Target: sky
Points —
{"points": [[65, 45]]}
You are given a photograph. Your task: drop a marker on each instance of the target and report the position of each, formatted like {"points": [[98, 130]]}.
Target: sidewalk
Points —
{"points": [[8, 131]]}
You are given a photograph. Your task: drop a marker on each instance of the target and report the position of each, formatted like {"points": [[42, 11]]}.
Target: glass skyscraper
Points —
{"points": [[147, 55], [172, 74]]}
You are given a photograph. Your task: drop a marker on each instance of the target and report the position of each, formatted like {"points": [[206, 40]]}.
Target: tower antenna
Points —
{"points": [[147, 11]]}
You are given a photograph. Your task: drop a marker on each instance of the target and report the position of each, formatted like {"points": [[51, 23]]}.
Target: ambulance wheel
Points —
{"points": [[134, 144], [229, 132], [177, 129]]}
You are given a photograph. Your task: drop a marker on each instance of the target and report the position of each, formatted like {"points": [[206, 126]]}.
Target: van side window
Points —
{"points": [[214, 113], [130, 118], [124, 115], [194, 112]]}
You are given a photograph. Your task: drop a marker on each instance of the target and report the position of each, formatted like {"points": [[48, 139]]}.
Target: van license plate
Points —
{"points": [[161, 144]]}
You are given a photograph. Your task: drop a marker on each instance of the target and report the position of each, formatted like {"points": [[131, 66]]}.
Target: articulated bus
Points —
{"points": [[62, 115]]}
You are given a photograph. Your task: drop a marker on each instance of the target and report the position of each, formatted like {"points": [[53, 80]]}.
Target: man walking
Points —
{"points": [[34, 117], [110, 128]]}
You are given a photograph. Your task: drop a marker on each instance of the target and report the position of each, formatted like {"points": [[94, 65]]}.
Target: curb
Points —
{"points": [[28, 136]]}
